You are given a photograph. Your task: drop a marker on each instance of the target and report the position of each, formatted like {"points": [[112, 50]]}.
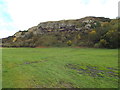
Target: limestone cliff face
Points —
{"points": [[55, 29], [83, 24]]}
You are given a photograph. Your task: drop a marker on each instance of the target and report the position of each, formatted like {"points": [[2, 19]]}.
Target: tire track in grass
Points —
{"points": [[94, 71]]}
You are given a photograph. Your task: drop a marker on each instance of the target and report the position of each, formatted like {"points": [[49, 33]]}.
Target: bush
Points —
{"points": [[112, 37], [97, 45], [14, 39], [103, 43], [82, 44], [69, 42]]}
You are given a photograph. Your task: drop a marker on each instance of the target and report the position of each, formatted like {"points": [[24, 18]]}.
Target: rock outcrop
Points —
{"points": [[57, 32]]}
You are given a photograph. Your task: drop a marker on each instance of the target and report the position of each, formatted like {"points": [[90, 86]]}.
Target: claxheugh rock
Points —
{"points": [[87, 32]]}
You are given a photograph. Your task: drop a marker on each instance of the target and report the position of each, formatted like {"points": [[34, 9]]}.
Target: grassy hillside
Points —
{"points": [[60, 67]]}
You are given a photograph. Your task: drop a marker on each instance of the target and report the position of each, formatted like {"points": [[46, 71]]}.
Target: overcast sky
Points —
{"points": [[18, 15]]}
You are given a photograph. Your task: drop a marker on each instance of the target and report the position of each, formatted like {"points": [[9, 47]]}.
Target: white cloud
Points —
{"points": [[27, 13], [6, 29]]}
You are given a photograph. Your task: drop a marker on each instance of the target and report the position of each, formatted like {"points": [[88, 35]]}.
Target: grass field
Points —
{"points": [[0, 68], [60, 68]]}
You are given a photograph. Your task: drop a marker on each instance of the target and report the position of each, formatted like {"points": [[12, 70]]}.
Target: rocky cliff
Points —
{"points": [[59, 33]]}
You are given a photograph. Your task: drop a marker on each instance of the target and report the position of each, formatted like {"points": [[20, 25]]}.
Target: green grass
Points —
{"points": [[0, 68], [59, 67]]}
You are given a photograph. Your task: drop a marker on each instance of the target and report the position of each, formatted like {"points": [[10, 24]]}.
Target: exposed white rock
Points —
{"points": [[18, 34], [88, 26]]}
